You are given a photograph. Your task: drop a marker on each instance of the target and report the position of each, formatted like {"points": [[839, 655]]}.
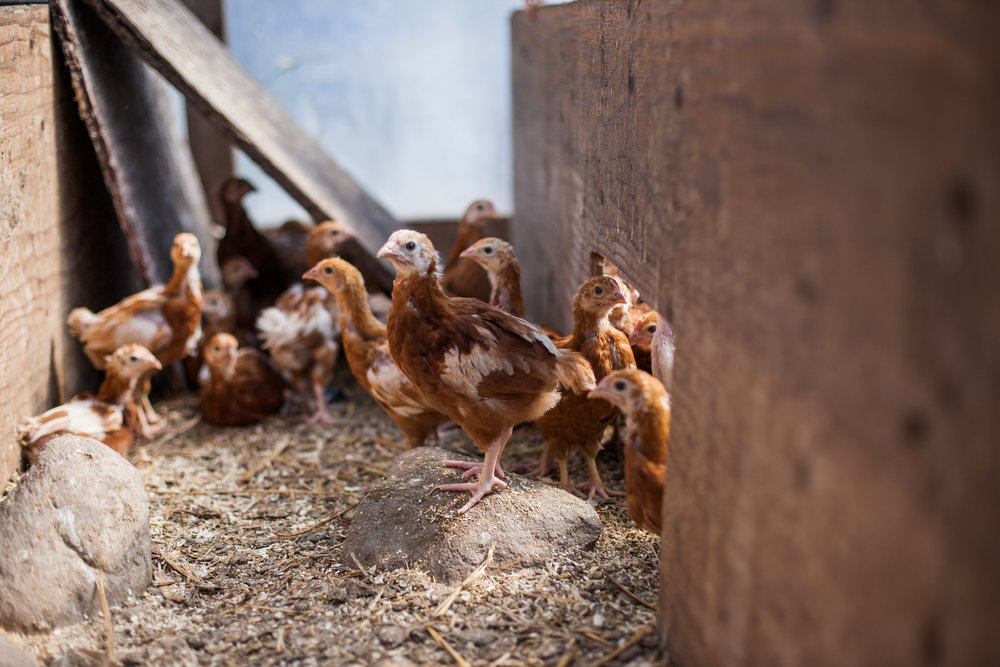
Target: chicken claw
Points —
{"points": [[473, 468]]}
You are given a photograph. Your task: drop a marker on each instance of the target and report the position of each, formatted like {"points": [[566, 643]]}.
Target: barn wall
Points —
{"points": [[811, 192], [59, 242]]}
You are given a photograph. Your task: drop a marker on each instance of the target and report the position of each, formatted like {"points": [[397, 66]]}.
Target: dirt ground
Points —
{"points": [[247, 525]]}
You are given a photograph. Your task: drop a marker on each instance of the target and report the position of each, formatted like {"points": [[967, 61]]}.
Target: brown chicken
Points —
{"points": [[646, 406], [662, 348], [242, 239], [301, 330], [218, 315], [641, 340], [504, 271], [301, 334], [244, 385], [367, 349], [165, 319], [484, 368], [289, 242], [579, 421], [110, 416], [463, 277], [236, 272]]}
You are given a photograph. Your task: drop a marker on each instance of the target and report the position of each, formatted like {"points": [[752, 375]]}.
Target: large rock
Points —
{"points": [[80, 510], [12, 655], [403, 523]]}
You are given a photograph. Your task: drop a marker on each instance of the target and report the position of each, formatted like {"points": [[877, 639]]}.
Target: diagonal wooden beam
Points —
{"points": [[171, 39]]}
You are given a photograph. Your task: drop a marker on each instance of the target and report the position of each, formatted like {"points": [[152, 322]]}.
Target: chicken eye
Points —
{"points": [[216, 348], [411, 245], [334, 232], [480, 207], [620, 385], [652, 328], [328, 270], [133, 358], [488, 250], [598, 290]]}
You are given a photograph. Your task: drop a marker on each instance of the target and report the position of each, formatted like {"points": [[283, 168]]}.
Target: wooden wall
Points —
{"points": [[811, 191], [59, 242]]}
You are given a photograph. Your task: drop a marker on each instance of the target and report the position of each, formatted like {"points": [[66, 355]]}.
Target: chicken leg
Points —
{"points": [[595, 484], [487, 472]]}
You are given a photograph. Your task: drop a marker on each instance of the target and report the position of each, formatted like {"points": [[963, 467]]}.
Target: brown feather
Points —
{"points": [[464, 277], [244, 386]]}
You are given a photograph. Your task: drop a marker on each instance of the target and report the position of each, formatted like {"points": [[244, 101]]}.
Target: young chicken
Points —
{"points": [[218, 315], [646, 405], [301, 330], [484, 368], [165, 319], [367, 349], [110, 416], [641, 340], [236, 272], [463, 277], [498, 258], [244, 385], [242, 239], [662, 348], [579, 421]]}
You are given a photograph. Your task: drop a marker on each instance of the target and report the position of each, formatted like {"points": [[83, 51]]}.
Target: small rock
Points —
{"points": [[391, 635], [79, 512], [404, 523], [12, 655]]}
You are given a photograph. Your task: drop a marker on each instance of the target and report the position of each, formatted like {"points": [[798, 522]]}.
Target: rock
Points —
{"points": [[81, 510], [12, 655], [402, 522]]}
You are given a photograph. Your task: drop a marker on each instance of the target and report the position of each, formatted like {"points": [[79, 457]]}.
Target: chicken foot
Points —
{"points": [[473, 468], [595, 484], [487, 470]]}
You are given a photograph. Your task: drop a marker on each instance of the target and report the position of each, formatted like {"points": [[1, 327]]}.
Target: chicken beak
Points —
{"points": [[634, 336], [600, 392], [468, 253], [155, 363], [388, 252], [312, 274], [618, 296]]}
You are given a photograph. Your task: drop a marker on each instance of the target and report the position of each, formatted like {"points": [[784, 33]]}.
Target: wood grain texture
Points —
{"points": [[167, 36], [811, 192], [60, 243], [211, 149], [144, 157]]}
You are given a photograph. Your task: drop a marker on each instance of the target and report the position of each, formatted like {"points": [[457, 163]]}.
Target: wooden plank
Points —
{"points": [[167, 36], [812, 191], [145, 159], [59, 239], [212, 150]]}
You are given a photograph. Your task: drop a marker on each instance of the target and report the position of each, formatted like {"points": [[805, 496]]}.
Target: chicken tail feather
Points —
{"points": [[79, 320], [574, 372]]}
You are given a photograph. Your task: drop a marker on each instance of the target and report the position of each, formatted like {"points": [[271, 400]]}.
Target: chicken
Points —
{"points": [[244, 385], [662, 348], [165, 319], [641, 340], [325, 240], [218, 315], [236, 272], [110, 416], [301, 334], [289, 241], [646, 405], [301, 330], [484, 368], [463, 277], [498, 258], [367, 349], [242, 239], [579, 421]]}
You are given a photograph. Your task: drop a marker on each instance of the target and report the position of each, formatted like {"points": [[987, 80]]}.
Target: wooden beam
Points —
{"points": [[812, 191], [167, 36], [60, 242], [144, 156]]}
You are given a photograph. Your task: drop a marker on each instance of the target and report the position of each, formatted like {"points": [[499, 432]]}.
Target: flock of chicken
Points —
{"points": [[453, 347]]}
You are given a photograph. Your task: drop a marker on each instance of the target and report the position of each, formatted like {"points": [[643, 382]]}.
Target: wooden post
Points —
{"points": [[60, 242], [811, 192]]}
